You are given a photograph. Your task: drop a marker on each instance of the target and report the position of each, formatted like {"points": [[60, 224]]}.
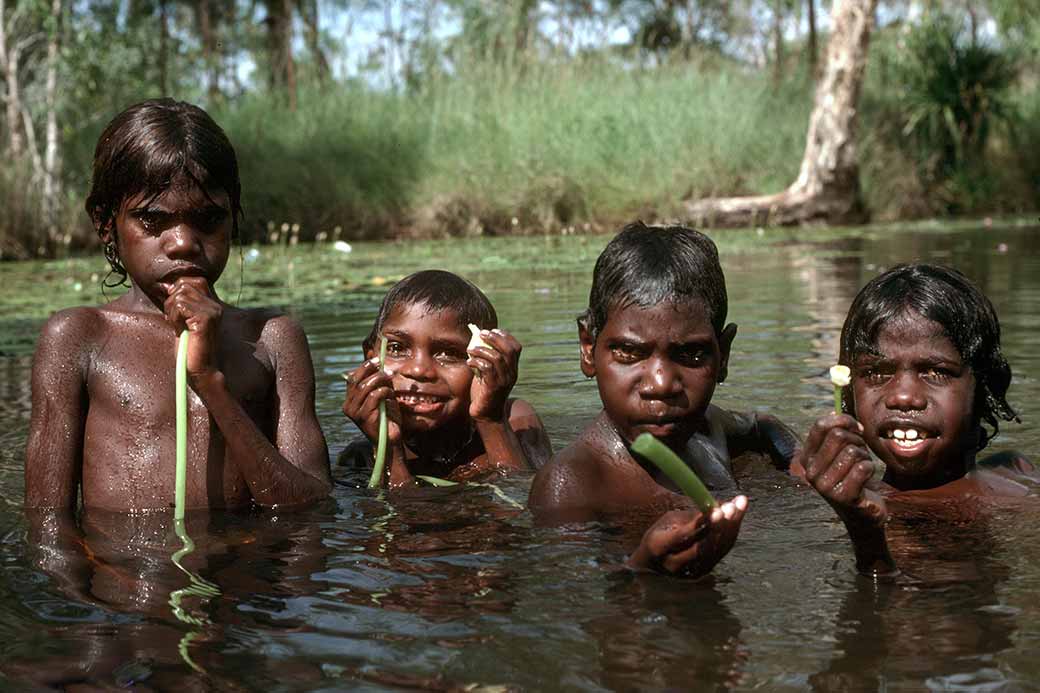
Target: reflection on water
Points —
{"points": [[446, 589]]}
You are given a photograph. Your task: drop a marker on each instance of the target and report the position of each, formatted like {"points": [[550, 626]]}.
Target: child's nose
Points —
{"points": [[180, 240], [905, 392], [662, 380], [421, 366]]}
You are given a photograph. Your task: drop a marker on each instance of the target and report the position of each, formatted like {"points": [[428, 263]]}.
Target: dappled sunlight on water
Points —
{"points": [[443, 589]]}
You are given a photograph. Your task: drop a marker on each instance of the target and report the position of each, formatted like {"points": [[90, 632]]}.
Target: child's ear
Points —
{"points": [[587, 344], [725, 342]]}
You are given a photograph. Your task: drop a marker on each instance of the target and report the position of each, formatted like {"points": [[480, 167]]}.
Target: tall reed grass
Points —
{"points": [[493, 149]]}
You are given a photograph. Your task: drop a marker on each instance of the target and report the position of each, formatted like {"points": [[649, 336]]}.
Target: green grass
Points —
{"points": [[565, 145], [582, 145]]}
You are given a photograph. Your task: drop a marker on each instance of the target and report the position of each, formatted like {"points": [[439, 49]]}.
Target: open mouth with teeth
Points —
{"points": [[420, 403], [905, 439]]}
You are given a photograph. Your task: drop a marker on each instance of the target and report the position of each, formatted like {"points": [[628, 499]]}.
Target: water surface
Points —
{"points": [[450, 589]]}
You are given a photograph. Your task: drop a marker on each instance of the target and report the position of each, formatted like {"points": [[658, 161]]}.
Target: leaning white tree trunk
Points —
{"points": [[52, 155], [9, 65], [827, 188]]}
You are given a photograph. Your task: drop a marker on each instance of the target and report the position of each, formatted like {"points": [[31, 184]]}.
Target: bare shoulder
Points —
{"points": [[569, 480], [530, 432], [72, 323], [278, 332], [1009, 464], [521, 411], [730, 423], [71, 331]]}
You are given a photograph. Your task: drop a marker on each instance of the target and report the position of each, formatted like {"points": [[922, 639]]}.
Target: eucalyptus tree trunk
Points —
{"points": [[9, 57], [210, 57], [827, 188], [164, 42], [812, 39], [280, 49], [51, 152], [309, 11]]}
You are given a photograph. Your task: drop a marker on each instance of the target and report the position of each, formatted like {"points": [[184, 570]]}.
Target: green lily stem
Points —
{"points": [[837, 399], [181, 380], [678, 471], [380, 462]]}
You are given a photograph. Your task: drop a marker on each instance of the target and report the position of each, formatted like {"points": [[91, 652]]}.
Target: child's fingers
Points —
{"points": [[837, 439], [674, 529], [197, 285], [492, 366], [503, 342], [490, 355], [849, 489], [483, 367], [366, 369], [836, 473], [369, 409], [819, 430], [375, 387], [686, 532]]}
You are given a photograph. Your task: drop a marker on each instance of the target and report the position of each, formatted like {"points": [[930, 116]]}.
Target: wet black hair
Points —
{"points": [[946, 297], [149, 147], [647, 265], [436, 290]]}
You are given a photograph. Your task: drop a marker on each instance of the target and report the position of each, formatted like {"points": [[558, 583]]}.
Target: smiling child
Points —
{"points": [[656, 340], [923, 345], [165, 202], [449, 410]]}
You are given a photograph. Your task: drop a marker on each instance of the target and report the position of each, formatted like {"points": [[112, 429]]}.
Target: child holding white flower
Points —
{"points": [[921, 348], [446, 383]]}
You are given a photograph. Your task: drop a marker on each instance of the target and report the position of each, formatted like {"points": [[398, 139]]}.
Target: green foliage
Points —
{"points": [[949, 95], [555, 146]]}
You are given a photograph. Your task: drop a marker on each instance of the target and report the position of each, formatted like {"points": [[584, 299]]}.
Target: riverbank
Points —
{"points": [[572, 148]]}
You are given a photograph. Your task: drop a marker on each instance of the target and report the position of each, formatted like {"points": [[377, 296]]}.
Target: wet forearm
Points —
{"points": [[501, 445], [56, 547], [272, 478], [870, 546]]}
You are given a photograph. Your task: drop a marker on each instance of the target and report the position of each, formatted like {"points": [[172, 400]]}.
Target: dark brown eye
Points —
{"points": [[691, 356], [625, 353], [937, 375], [396, 349], [871, 375], [451, 356]]}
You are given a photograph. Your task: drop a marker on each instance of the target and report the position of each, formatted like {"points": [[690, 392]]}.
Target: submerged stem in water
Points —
{"points": [[380, 461]]}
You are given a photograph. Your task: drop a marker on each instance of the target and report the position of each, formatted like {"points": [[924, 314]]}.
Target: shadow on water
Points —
{"points": [[455, 589]]}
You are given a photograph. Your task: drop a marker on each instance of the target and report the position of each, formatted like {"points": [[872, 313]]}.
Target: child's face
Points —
{"points": [[183, 232], [657, 367], [915, 402], [426, 353]]}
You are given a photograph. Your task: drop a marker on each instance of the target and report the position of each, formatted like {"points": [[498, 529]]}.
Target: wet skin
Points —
{"points": [[656, 368], [914, 407], [103, 407], [443, 420]]}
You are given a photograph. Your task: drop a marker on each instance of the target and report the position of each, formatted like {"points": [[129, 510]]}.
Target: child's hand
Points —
{"points": [[190, 304], [496, 371], [367, 386], [687, 543], [838, 465]]}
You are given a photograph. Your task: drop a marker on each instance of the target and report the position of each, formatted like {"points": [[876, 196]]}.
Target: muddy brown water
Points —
{"points": [[451, 589]]}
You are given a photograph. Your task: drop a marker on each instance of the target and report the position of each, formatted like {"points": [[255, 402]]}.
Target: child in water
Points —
{"points": [[655, 339], [449, 411], [165, 202], [927, 372]]}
